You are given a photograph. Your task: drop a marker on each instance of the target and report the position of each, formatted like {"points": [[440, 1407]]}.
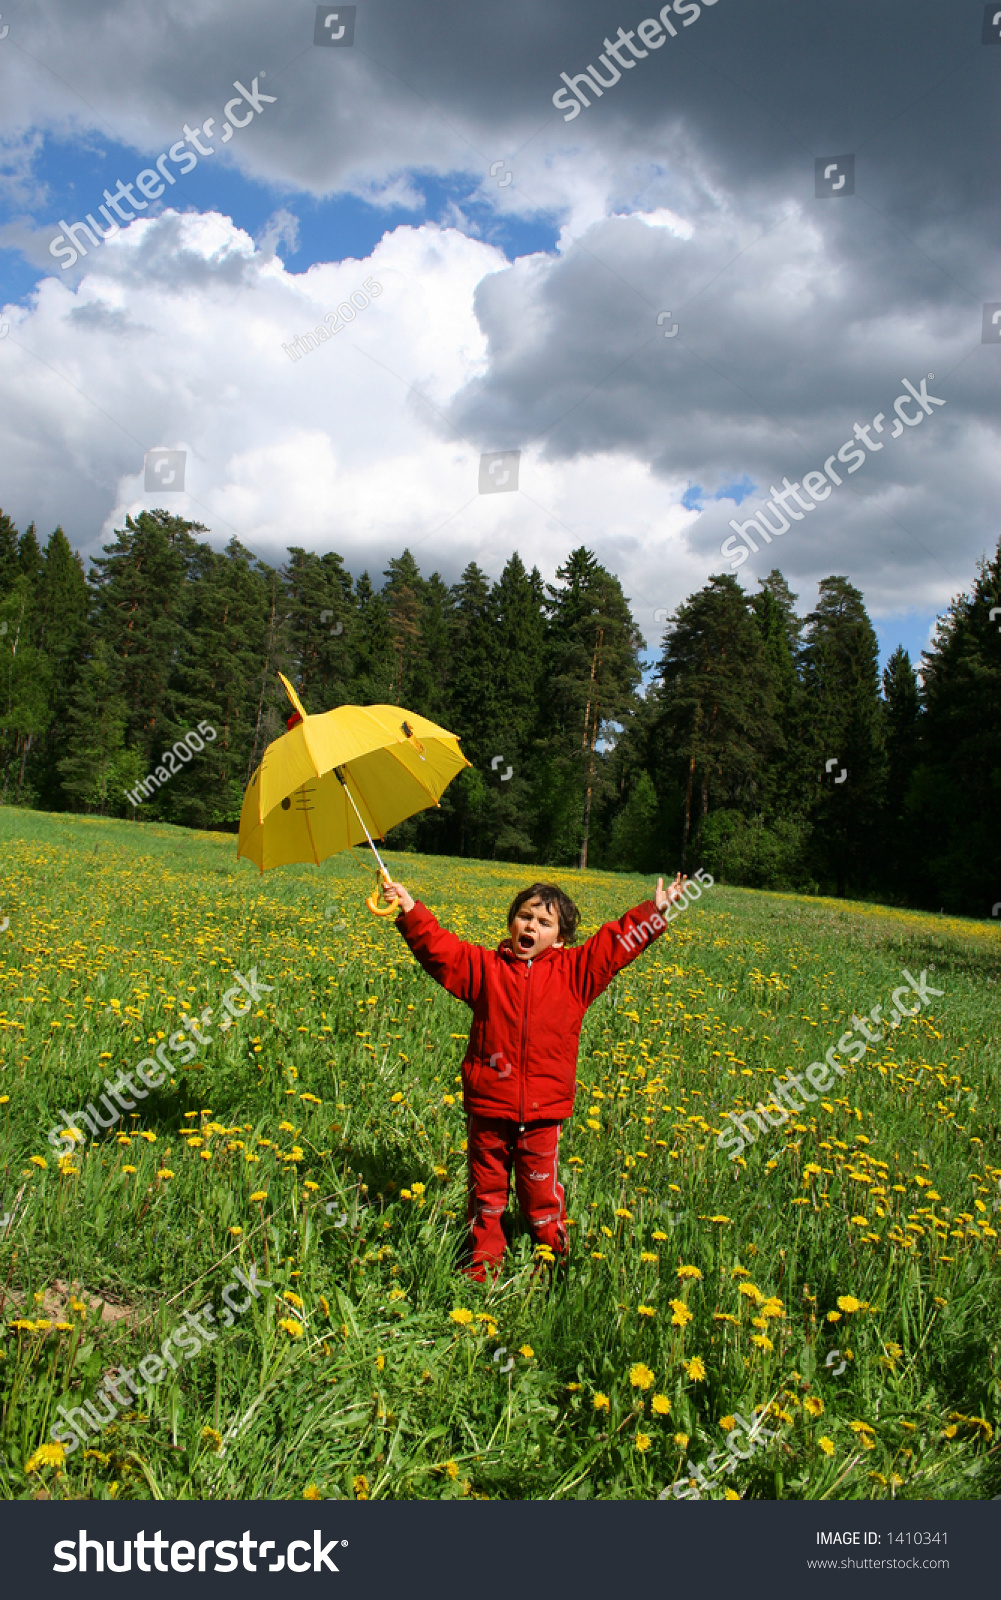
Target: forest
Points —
{"points": [[759, 743]]}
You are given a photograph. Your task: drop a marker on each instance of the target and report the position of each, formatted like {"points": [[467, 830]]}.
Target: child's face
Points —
{"points": [[536, 927]]}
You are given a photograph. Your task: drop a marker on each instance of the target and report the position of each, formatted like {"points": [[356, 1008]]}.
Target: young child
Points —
{"points": [[528, 998]]}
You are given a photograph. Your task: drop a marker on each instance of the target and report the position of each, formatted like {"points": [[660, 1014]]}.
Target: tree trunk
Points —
{"points": [[688, 810], [264, 681], [595, 679]]}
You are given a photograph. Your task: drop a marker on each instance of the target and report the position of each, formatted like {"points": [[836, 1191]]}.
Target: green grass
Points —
{"points": [[384, 1393]]}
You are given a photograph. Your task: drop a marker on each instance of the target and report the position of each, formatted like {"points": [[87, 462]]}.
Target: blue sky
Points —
{"points": [[73, 177]]}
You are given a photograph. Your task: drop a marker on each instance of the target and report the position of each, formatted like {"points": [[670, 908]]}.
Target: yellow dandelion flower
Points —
{"points": [[640, 1376], [646, 1311], [660, 1237], [834, 1316], [165, 1173], [847, 1302], [212, 1437], [47, 1455], [681, 1440], [762, 1341], [124, 1169], [696, 1371], [689, 1272], [751, 1291], [730, 1494], [813, 1406], [827, 1445], [621, 1211], [602, 1402], [648, 1255], [311, 1492], [681, 1316], [292, 1328], [360, 1486], [643, 1442], [728, 1424], [526, 1351], [461, 1316], [396, 1098], [259, 1194], [452, 1469], [38, 1161], [660, 1405]]}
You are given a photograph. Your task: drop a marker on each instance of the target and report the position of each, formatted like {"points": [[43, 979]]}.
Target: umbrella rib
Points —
{"points": [[411, 774]]}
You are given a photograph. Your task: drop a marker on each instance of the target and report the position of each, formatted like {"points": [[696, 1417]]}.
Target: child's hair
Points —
{"points": [[550, 896]]}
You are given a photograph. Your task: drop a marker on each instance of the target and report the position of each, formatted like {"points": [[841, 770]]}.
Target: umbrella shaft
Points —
{"points": [[368, 836]]}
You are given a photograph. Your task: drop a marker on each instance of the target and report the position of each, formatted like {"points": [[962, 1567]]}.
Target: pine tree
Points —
{"points": [[955, 795], [841, 678], [719, 706], [901, 710], [96, 766]]}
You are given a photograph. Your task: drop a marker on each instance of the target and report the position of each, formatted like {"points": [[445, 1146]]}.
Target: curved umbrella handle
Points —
{"points": [[372, 901]]}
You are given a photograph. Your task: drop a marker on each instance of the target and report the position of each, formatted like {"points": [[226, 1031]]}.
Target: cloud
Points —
{"points": [[688, 188]]}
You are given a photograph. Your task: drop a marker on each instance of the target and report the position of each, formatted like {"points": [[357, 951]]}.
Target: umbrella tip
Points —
{"points": [[293, 719]]}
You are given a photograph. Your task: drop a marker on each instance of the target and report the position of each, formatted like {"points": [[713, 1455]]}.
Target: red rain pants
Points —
{"points": [[494, 1145]]}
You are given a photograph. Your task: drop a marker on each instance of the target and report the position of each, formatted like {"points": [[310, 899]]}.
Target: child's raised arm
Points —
{"points": [[449, 960], [617, 943]]}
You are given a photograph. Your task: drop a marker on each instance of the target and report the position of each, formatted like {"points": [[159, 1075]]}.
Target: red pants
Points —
{"points": [[494, 1145]]}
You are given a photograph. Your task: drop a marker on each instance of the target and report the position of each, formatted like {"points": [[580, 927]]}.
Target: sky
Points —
{"points": [[769, 239]]}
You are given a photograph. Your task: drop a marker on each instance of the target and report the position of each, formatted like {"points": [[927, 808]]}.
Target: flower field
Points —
{"points": [[831, 1300]]}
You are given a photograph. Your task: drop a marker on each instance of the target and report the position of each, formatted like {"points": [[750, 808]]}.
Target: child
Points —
{"points": [[528, 998]]}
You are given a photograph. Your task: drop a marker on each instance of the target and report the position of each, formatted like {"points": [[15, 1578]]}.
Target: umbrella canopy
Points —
{"points": [[336, 778]]}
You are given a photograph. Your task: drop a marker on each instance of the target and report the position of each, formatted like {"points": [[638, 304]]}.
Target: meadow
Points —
{"points": [[839, 1281]]}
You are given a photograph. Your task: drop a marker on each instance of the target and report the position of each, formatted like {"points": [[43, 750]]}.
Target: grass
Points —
{"points": [[370, 1367]]}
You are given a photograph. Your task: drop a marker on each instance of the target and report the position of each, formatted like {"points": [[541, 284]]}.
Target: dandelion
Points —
{"points": [[660, 1405], [751, 1292], [689, 1272], [728, 1424], [461, 1316], [526, 1351], [847, 1302], [602, 1403], [360, 1486], [165, 1173], [396, 1098], [834, 1316], [660, 1237], [47, 1455], [259, 1194], [681, 1440], [74, 1169], [762, 1341], [696, 1371], [38, 1161], [311, 1492], [646, 1311], [643, 1442], [292, 1328], [648, 1255], [827, 1445], [730, 1494], [682, 1315], [813, 1406], [212, 1437], [622, 1212], [640, 1376]]}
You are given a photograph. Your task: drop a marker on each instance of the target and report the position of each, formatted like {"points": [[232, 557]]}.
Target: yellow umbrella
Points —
{"points": [[340, 777]]}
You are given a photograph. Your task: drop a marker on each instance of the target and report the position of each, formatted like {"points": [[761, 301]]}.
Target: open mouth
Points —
{"points": [[526, 941]]}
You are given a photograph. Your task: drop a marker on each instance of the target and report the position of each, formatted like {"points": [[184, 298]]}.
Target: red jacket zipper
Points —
{"points": [[524, 1044]]}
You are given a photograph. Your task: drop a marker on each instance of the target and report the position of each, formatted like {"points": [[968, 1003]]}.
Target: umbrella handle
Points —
{"points": [[372, 901]]}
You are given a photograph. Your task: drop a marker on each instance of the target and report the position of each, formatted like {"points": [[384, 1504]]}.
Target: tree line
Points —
{"points": [[765, 746]]}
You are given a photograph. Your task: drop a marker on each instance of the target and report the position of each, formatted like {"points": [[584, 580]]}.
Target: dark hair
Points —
{"points": [[550, 896]]}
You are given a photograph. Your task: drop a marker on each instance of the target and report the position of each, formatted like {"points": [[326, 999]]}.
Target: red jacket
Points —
{"points": [[521, 1060]]}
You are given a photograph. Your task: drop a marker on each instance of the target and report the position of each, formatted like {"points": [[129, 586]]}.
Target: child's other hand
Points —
{"points": [[663, 897], [396, 891]]}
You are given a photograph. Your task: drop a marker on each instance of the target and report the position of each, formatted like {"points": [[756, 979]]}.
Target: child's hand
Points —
{"points": [[663, 897], [396, 891]]}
